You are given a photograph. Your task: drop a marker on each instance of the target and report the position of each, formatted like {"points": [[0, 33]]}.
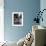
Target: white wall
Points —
{"points": [[1, 20]]}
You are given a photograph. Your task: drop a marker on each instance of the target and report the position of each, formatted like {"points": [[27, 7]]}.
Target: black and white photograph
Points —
{"points": [[17, 18]]}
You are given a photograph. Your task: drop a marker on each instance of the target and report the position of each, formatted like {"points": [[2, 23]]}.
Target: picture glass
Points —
{"points": [[17, 18]]}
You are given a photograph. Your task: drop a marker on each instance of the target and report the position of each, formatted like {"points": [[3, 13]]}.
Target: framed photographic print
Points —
{"points": [[17, 19]]}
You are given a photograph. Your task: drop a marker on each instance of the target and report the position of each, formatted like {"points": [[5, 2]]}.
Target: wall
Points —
{"points": [[29, 8], [43, 6], [1, 20]]}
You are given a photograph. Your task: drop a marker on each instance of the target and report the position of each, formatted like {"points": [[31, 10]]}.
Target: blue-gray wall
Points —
{"points": [[29, 8], [43, 6]]}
